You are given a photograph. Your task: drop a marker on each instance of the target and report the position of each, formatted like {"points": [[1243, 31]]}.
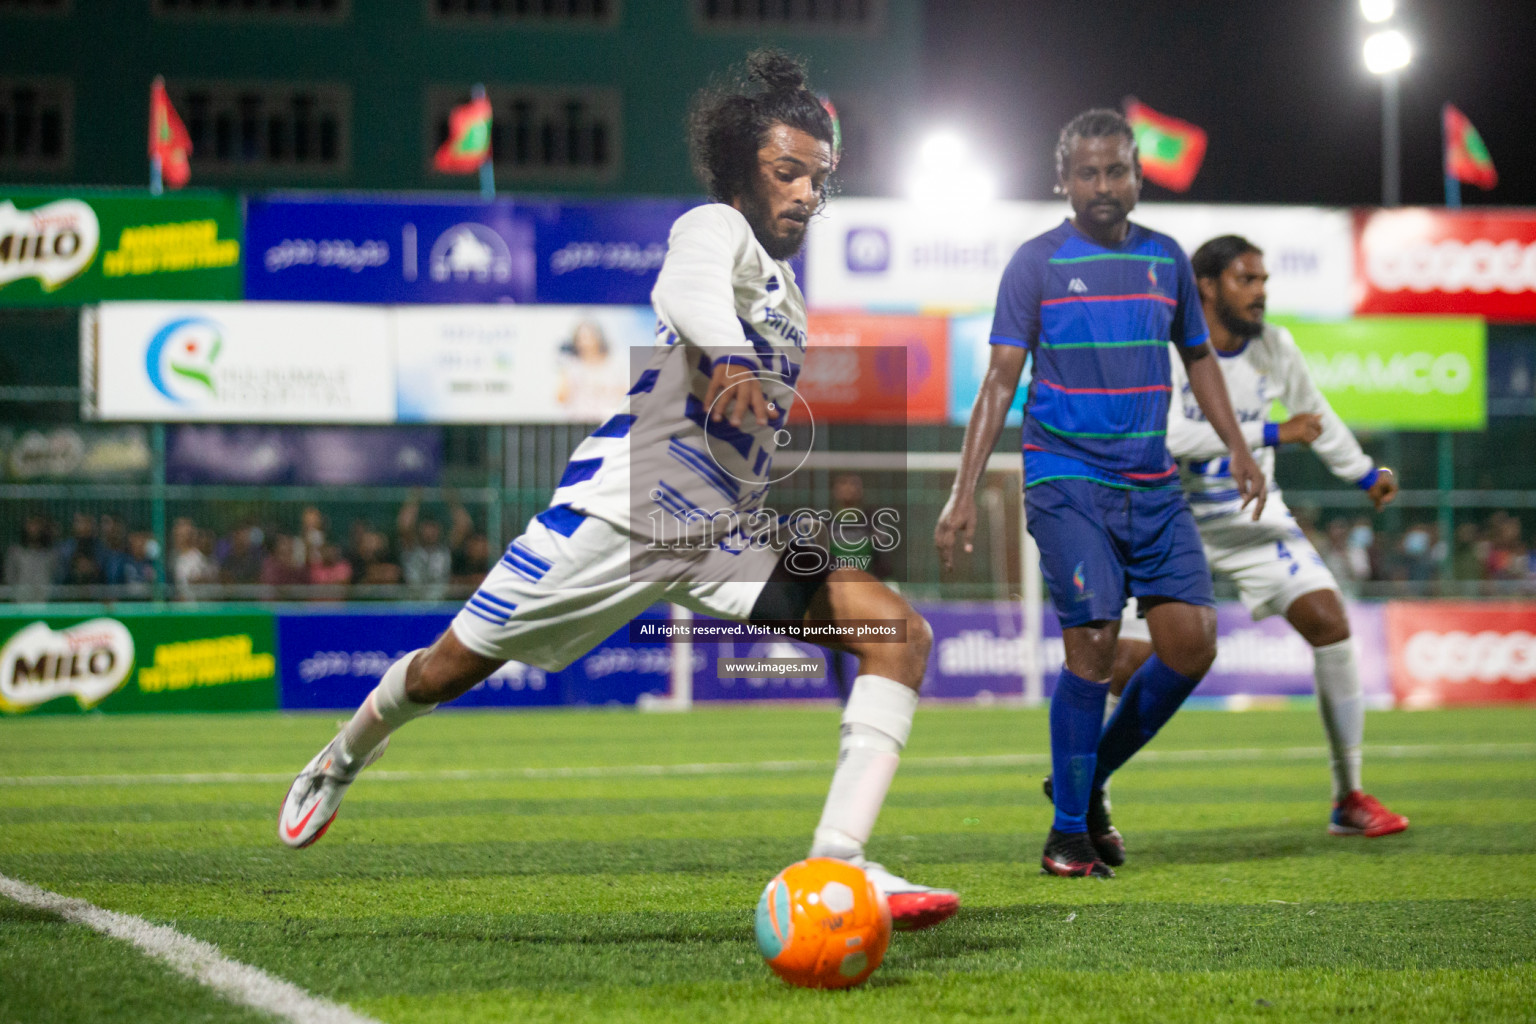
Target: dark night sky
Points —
{"points": [[1292, 114]]}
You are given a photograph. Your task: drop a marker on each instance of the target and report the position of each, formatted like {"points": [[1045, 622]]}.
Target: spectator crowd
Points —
{"points": [[101, 558]]}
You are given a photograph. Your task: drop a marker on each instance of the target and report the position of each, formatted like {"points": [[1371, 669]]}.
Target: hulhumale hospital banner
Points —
{"points": [[329, 249], [65, 248], [181, 661]]}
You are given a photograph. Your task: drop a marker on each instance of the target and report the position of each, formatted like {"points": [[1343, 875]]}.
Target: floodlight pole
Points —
{"points": [[1391, 143]]}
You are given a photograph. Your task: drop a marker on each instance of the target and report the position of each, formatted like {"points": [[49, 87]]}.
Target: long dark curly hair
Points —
{"points": [[729, 122]]}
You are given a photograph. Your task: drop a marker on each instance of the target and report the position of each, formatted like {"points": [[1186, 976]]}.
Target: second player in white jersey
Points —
{"points": [[1276, 569]]}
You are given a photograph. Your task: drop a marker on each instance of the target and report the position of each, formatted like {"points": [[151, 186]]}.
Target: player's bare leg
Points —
{"points": [[876, 723], [1320, 618]]}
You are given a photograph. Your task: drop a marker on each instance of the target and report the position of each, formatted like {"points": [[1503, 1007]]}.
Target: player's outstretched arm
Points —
{"points": [[742, 392], [1210, 390], [958, 520]]}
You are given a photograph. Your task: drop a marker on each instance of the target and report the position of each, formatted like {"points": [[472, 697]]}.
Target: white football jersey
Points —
{"points": [[1267, 369], [720, 296]]}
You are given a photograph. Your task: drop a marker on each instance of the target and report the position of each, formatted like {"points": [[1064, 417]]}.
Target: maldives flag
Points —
{"points": [[168, 138], [469, 138], [1466, 158], [1171, 150]]}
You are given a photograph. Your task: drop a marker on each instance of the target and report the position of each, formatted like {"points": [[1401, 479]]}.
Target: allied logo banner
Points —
{"points": [[67, 249], [378, 251], [252, 361], [1448, 261], [889, 254], [1400, 372]]}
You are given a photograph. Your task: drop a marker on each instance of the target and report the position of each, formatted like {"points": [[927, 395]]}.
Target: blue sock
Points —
{"points": [[1154, 693], [1077, 716]]}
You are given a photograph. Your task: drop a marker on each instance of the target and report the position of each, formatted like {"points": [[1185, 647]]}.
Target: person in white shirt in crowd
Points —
{"points": [[690, 445], [1276, 569]]}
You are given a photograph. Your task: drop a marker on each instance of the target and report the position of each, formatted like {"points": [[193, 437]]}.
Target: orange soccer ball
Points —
{"points": [[822, 923]]}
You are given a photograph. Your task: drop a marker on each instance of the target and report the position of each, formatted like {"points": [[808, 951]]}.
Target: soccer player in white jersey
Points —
{"points": [[1276, 569], [693, 442]]}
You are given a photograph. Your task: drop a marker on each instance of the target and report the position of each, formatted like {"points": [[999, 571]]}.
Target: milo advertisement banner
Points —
{"points": [[68, 248], [127, 663]]}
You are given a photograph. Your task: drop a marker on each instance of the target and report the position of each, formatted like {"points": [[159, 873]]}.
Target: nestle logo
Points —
{"points": [[868, 251]]}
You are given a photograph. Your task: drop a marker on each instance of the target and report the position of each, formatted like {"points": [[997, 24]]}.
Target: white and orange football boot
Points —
{"points": [[315, 796], [913, 907]]}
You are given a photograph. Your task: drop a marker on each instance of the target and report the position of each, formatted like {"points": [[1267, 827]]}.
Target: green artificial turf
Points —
{"points": [[560, 866]]}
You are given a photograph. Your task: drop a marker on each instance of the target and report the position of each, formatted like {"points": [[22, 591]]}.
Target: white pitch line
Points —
{"points": [[1392, 752], [193, 958]]}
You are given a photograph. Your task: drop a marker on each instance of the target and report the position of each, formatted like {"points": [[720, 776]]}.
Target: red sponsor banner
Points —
{"points": [[1447, 652], [1440, 261], [854, 371]]}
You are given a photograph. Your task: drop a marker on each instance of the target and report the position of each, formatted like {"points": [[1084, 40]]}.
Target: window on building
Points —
{"points": [[296, 10], [584, 12], [541, 133], [753, 15], [35, 124], [259, 127]]}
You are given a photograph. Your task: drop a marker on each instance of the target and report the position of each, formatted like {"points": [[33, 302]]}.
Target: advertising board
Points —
{"points": [[234, 362], [1462, 652], [355, 249], [1481, 263], [849, 376], [64, 248], [182, 661]]}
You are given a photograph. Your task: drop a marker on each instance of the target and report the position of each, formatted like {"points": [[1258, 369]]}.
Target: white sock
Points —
{"points": [[1343, 708], [383, 711], [876, 724]]}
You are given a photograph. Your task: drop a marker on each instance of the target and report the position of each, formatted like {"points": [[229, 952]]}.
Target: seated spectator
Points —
{"points": [[1507, 558], [133, 576], [471, 561], [426, 561], [243, 563], [113, 547], [372, 564], [191, 567], [329, 570], [281, 567], [81, 541], [30, 562], [1471, 552]]}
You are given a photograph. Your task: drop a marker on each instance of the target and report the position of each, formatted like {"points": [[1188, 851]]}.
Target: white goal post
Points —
{"points": [[992, 515]]}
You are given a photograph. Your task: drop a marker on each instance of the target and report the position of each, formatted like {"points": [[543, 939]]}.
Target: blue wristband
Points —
{"points": [[1368, 481], [1271, 435]]}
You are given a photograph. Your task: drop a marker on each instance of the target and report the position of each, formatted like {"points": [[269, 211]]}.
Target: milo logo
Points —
{"points": [[87, 661], [52, 243]]}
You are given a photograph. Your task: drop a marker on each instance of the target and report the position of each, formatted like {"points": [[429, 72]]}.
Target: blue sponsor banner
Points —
{"points": [[334, 659], [603, 252], [380, 251]]}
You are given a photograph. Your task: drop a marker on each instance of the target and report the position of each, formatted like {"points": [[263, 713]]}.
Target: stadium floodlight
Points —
{"points": [[1387, 51], [1377, 11], [947, 172]]}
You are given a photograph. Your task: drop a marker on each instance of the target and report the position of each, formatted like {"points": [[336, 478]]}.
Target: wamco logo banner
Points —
{"points": [[87, 661]]}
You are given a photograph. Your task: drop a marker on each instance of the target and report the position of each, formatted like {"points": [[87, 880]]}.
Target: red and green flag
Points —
{"points": [[1466, 158], [1171, 150], [168, 138], [469, 138]]}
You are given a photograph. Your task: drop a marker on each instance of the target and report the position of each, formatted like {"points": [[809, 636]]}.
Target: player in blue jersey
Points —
{"points": [[1096, 302]]}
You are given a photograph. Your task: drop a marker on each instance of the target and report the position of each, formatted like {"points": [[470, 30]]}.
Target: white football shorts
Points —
{"points": [[1271, 562], [565, 586]]}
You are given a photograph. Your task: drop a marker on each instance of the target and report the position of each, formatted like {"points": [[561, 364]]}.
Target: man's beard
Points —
{"points": [[1236, 324], [759, 216]]}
